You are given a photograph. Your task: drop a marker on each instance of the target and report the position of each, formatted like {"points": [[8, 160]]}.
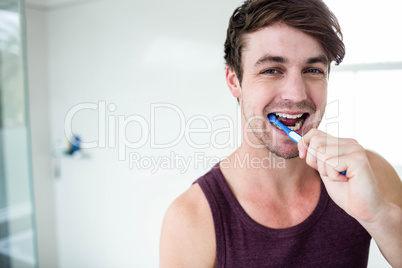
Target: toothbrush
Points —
{"points": [[293, 135]]}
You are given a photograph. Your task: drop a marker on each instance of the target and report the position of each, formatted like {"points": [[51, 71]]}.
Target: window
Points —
{"points": [[366, 88]]}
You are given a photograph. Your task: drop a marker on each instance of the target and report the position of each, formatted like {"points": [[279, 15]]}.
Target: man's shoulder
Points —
{"points": [[189, 206], [381, 166], [188, 235], [387, 178]]}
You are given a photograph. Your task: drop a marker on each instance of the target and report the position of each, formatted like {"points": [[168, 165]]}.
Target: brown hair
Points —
{"points": [[312, 17]]}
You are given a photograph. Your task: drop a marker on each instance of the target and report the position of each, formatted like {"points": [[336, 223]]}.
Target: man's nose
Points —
{"points": [[294, 88]]}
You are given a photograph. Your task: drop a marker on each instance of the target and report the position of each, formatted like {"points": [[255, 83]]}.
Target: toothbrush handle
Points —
{"points": [[293, 135]]}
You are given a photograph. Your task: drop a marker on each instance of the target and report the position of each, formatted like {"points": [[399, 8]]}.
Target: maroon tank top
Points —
{"points": [[329, 237]]}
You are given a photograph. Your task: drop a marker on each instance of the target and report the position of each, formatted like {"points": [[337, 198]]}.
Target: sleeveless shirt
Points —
{"points": [[329, 237]]}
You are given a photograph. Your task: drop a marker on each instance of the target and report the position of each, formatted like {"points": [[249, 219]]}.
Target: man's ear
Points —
{"points": [[233, 82]]}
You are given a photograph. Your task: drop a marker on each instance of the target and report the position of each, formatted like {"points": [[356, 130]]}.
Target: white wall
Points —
{"points": [[132, 54], [40, 137]]}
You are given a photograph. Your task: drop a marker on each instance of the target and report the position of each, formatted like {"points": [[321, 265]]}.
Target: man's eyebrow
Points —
{"points": [[269, 58], [320, 59]]}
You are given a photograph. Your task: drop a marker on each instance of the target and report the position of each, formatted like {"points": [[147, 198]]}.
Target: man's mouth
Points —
{"points": [[292, 121]]}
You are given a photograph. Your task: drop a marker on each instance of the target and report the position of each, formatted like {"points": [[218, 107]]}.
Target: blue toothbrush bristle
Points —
{"points": [[272, 118]]}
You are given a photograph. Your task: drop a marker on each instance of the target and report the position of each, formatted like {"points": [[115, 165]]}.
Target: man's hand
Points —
{"points": [[357, 192], [371, 191]]}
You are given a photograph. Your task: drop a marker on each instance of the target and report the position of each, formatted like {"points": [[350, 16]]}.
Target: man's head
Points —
{"points": [[309, 16], [278, 54]]}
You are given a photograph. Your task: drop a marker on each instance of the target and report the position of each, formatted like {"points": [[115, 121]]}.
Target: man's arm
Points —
{"points": [[387, 229], [388, 180], [188, 235], [370, 192]]}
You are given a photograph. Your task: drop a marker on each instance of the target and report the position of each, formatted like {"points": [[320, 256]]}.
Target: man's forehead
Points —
{"points": [[282, 43], [268, 58]]}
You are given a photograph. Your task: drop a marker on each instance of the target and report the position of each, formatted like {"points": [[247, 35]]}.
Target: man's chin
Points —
{"points": [[283, 154], [287, 156]]}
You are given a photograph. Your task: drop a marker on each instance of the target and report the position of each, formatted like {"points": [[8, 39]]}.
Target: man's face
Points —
{"points": [[285, 72]]}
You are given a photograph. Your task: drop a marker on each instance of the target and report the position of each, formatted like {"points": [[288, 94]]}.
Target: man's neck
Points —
{"points": [[280, 195], [261, 170]]}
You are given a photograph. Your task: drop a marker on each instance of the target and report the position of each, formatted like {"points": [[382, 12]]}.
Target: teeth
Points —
{"points": [[294, 116], [277, 127], [297, 125]]}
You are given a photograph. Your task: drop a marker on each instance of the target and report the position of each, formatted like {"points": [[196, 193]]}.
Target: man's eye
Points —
{"points": [[315, 71], [270, 71]]}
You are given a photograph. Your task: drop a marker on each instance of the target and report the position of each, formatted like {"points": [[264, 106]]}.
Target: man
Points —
{"points": [[303, 213]]}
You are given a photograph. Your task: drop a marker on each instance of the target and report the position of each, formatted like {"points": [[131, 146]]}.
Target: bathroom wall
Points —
{"points": [[39, 115], [142, 84], [145, 61]]}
